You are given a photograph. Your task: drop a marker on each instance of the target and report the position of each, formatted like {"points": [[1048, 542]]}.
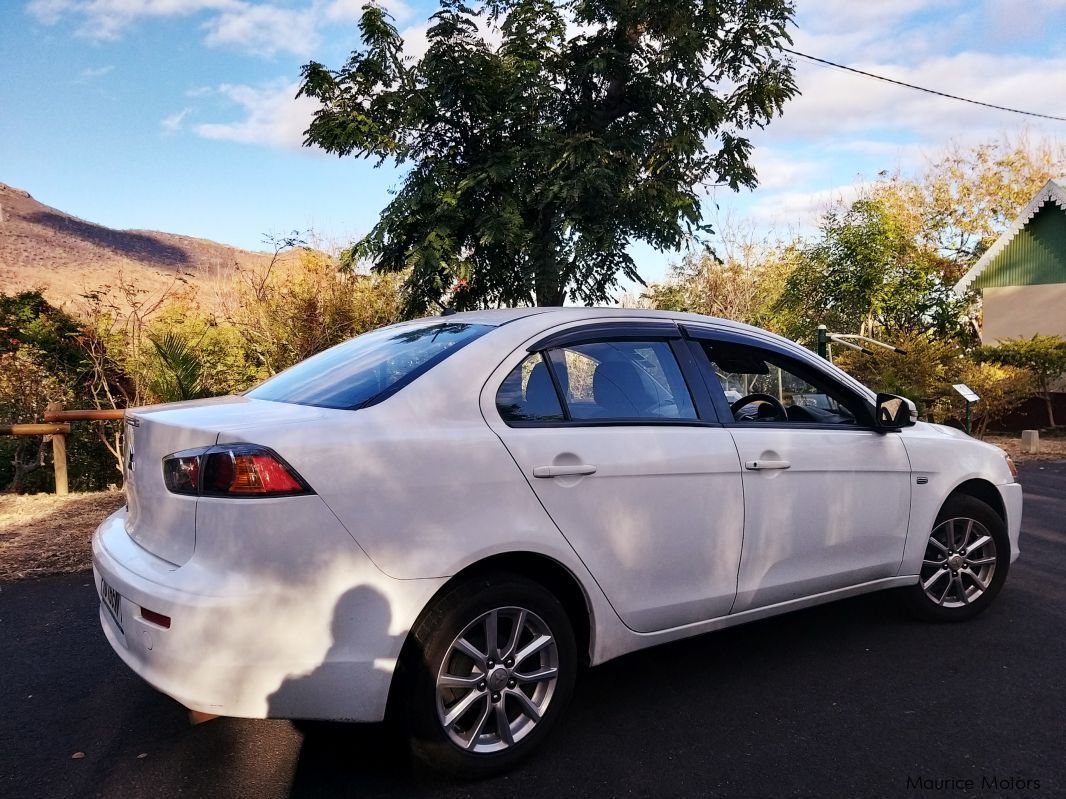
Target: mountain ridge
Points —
{"points": [[67, 257]]}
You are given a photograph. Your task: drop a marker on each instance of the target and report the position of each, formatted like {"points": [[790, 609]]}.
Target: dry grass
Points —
{"points": [[66, 257], [44, 534], [1052, 448]]}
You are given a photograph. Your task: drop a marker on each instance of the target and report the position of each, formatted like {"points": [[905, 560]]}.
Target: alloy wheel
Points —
{"points": [[497, 680], [959, 563]]}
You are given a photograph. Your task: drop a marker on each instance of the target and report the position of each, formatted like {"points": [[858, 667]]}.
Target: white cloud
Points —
{"points": [[349, 11], [800, 209], [109, 19], [264, 29], [415, 42], [272, 116], [49, 11], [839, 104], [172, 124], [779, 170]]}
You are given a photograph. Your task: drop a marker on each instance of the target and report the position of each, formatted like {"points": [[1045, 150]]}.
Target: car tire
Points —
{"points": [[965, 563], [475, 709]]}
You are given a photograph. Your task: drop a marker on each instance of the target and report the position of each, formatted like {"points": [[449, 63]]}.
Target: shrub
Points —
{"points": [[1043, 356]]}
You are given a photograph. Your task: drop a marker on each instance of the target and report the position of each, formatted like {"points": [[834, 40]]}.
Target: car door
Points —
{"points": [[826, 495], [631, 464]]}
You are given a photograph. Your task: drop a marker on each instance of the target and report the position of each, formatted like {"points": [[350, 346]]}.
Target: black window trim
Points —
{"points": [[607, 331], [652, 330], [722, 404]]}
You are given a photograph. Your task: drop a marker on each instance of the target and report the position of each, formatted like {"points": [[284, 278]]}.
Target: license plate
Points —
{"points": [[112, 600]]}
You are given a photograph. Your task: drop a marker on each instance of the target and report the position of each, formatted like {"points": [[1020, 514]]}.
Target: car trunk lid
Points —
{"points": [[162, 522]]}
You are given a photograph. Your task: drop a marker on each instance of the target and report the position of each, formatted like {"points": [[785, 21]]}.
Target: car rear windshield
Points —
{"points": [[368, 368]]}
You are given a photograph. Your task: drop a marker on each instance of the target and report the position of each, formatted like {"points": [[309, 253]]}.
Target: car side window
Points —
{"points": [[762, 386], [527, 394], [622, 380]]}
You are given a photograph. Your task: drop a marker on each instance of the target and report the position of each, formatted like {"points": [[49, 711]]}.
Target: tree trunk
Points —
{"points": [[1050, 410], [547, 266], [549, 293]]}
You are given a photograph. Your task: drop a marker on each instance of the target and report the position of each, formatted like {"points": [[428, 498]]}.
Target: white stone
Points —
{"points": [[1031, 441]]}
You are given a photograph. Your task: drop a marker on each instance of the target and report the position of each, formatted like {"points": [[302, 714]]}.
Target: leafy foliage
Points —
{"points": [[28, 320], [176, 370], [1043, 356], [26, 388], [867, 274], [303, 308], [533, 164], [925, 372], [745, 289], [971, 195], [1001, 389]]}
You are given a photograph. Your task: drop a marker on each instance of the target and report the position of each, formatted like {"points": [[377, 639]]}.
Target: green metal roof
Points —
{"points": [[1037, 254], [1032, 251]]}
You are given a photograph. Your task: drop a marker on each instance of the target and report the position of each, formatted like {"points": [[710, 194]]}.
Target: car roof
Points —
{"points": [[548, 317], [560, 315]]}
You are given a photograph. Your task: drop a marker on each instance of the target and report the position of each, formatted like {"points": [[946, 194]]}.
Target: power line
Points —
{"points": [[922, 88]]}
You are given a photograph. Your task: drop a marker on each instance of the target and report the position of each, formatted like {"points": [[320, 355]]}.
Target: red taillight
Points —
{"points": [[232, 470], [248, 473]]}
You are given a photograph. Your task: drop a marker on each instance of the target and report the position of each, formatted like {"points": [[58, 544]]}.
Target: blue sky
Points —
{"points": [[178, 115]]}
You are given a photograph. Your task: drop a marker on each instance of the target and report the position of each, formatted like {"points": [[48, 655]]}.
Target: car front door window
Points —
{"points": [[761, 386]]}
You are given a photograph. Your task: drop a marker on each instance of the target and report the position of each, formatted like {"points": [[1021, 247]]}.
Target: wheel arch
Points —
{"points": [[534, 566], [981, 490]]}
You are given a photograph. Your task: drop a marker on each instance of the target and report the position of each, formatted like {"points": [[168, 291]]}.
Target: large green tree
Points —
{"points": [[865, 273], [542, 137]]}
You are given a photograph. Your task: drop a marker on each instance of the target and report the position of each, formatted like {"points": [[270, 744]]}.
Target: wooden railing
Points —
{"points": [[84, 416], [57, 425]]}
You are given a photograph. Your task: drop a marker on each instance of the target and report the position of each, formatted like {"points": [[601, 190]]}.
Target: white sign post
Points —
{"points": [[967, 394]]}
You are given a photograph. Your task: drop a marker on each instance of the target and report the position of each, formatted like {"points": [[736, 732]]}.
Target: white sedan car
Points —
{"points": [[445, 519]]}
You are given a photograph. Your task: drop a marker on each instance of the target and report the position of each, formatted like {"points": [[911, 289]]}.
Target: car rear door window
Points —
{"points": [[622, 380], [528, 394]]}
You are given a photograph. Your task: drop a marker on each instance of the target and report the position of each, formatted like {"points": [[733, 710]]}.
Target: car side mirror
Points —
{"points": [[894, 412]]}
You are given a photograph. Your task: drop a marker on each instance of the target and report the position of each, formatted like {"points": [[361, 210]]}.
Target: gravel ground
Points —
{"points": [[1052, 448], [43, 534]]}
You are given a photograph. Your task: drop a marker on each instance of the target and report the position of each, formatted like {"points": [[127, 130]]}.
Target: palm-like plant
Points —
{"points": [[176, 373]]}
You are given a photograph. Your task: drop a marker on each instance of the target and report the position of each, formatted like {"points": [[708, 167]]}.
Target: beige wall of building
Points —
{"points": [[1024, 311]]}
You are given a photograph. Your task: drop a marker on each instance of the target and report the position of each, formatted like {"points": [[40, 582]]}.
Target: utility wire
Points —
{"points": [[922, 88]]}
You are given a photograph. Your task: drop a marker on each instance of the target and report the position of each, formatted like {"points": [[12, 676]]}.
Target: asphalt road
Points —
{"points": [[848, 700]]}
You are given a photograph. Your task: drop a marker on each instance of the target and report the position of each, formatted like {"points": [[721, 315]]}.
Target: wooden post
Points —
{"points": [[59, 455]]}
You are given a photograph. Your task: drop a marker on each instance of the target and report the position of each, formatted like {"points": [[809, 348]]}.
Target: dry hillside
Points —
{"points": [[41, 247]]}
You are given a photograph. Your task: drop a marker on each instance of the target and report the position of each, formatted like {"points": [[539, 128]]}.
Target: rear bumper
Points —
{"points": [[316, 639], [1012, 503]]}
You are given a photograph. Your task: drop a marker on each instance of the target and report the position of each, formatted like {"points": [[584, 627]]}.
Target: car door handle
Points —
{"points": [[757, 466], [563, 470]]}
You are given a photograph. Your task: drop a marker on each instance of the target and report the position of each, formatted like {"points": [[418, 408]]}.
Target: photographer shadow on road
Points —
{"points": [[336, 757]]}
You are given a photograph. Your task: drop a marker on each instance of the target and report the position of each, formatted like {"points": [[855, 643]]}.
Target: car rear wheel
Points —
{"points": [[965, 562], [492, 665]]}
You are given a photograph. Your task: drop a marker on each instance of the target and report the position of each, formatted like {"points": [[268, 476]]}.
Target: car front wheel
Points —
{"points": [[494, 663], [965, 563]]}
